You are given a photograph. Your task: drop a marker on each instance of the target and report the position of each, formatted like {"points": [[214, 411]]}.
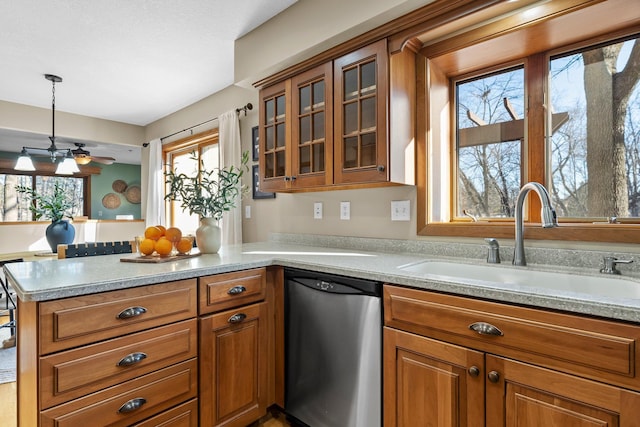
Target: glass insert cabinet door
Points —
{"points": [[360, 117], [312, 127], [274, 137]]}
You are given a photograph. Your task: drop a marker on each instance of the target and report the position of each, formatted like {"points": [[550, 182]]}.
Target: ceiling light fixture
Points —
{"points": [[67, 164]]}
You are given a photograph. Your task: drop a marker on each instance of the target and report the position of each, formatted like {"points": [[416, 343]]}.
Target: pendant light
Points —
{"points": [[67, 165]]}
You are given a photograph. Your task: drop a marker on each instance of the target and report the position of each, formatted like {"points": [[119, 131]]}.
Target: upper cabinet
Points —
{"points": [[275, 135], [360, 131], [326, 128]]}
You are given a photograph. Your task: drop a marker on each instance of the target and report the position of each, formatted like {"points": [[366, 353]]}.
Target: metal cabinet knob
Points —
{"points": [[474, 371], [493, 376]]}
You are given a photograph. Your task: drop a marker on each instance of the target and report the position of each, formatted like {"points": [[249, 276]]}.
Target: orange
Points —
{"points": [[173, 234], [147, 246], [162, 229], [184, 245], [153, 233], [164, 247]]}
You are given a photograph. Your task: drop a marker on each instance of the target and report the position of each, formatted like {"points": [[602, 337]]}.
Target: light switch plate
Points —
{"points": [[247, 212], [317, 210], [400, 210], [345, 210]]}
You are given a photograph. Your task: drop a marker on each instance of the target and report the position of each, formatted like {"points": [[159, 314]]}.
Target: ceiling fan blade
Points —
{"points": [[103, 160]]}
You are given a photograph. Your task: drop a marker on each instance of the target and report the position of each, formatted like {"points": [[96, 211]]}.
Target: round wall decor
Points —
{"points": [[111, 201], [119, 186], [132, 194]]}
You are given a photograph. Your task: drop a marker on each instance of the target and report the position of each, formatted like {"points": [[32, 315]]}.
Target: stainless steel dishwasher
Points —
{"points": [[333, 340]]}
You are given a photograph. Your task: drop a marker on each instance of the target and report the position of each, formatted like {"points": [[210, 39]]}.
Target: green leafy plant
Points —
{"points": [[208, 193], [53, 206]]}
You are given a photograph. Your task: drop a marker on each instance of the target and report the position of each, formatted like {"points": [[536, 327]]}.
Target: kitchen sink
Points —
{"points": [[513, 277]]}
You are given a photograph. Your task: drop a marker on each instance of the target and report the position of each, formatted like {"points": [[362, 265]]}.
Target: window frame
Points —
{"points": [[188, 144], [429, 77], [42, 170]]}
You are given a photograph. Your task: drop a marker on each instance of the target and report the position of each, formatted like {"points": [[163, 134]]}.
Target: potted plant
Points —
{"points": [[54, 206], [209, 194]]}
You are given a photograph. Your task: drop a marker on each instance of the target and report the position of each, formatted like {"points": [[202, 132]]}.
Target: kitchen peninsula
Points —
{"points": [[62, 300]]}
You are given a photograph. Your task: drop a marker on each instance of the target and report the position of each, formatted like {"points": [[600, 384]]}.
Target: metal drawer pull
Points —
{"points": [[236, 290], [237, 318], [485, 329], [130, 312], [474, 371], [132, 405], [132, 359]]}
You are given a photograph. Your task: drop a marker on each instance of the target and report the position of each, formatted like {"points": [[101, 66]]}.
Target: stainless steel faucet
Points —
{"points": [[610, 264], [548, 215], [493, 251]]}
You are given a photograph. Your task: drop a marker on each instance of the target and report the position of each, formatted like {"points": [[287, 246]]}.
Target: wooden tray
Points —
{"points": [[155, 259]]}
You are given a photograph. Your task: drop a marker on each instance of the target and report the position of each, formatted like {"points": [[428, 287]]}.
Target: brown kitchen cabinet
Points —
{"points": [[296, 132], [327, 127], [360, 131], [121, 357], [234, 348], [527, 368]]}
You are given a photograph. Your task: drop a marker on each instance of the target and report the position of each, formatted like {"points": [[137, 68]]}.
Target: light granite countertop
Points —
{"points": [[52, 279]]}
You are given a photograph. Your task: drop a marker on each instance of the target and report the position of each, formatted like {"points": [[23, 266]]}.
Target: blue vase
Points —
{"points": [[59, 233]]}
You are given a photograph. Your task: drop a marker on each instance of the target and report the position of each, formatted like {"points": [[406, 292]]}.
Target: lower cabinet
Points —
{"points": [[437, 374], [431, 383], [234, 366]]}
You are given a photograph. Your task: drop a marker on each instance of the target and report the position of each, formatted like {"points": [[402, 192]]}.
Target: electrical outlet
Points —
{"points": [[345, 210], [247, 212], [400, 210], [317, 210]]}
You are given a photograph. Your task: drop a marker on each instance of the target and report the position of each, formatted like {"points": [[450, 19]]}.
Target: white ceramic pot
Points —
{"points": [[208, 236]]}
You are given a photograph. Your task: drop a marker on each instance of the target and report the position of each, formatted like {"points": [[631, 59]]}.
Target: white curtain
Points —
{"points": [[230, 153], [155, 191]]}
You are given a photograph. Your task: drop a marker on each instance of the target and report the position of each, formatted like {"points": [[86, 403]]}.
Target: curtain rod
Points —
{"points": [[245, 108]]}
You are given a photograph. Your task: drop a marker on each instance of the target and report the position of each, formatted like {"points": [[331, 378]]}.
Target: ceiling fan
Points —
{"points": [[82, 156], [70, 158]]}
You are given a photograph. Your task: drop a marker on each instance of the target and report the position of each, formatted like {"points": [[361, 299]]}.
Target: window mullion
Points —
{"points": [[535, 160]]}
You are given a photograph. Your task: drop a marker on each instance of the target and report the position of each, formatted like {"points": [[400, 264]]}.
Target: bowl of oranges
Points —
{"points": [[164, 242]]}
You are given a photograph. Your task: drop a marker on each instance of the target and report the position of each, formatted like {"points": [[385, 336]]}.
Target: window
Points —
{"points": [[186, 156], [15, 206], [595, 139], [532, 103], [490, 135]]}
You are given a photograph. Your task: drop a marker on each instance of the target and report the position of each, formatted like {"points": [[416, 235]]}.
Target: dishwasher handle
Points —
{"points": [[337, 287]]}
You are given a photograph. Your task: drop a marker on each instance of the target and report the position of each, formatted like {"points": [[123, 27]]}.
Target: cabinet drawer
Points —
{"points": [[593, 348], [154, 393], [228, 290], [73, 373], [86, 319], [185, 415]]}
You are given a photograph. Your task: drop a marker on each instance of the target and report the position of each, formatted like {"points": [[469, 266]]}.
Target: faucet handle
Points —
{"points": [[610, 264], [493, 254]]}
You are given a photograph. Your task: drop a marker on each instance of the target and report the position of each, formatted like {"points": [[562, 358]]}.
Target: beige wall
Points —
{"points": [[29, 237], [307, 28], [38, 120]]}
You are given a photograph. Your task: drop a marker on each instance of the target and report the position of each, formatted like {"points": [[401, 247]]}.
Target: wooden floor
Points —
{"points": [[8, 405]]}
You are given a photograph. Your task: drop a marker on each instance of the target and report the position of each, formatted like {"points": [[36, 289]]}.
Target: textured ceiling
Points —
{"points": [[132, 61]]}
